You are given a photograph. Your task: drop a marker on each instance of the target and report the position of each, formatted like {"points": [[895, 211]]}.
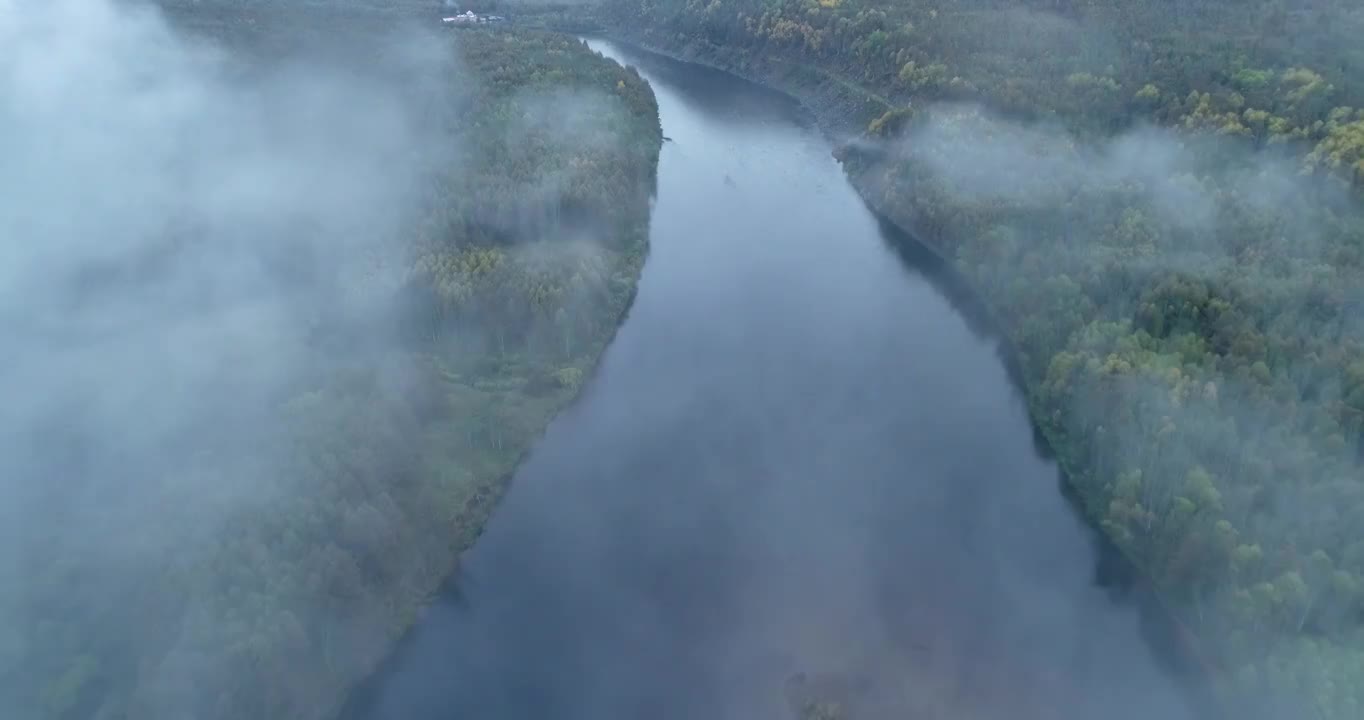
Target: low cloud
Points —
{"points": [[178, 223], [1087, 244]]}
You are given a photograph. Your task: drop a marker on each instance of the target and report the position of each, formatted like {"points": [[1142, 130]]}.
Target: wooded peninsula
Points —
{"points": [[377, 458]]}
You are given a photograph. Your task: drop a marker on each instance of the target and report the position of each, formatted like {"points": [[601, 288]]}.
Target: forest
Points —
{"points": [[1161, 203], [420, 371]]}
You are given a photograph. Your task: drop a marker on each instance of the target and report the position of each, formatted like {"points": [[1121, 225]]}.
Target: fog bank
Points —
{"points": [[180, 223]]}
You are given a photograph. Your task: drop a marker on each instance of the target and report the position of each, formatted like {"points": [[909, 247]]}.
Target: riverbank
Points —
{"points": [[385, 258], [1178, 360], [841, 107], [779, 472], [842, 110]]}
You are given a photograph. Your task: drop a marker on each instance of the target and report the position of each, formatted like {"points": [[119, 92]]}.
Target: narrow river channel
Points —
{"points": [[797, 457]]}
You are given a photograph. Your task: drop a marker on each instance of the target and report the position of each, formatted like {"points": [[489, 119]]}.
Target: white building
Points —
{"points": [[466, 18]]}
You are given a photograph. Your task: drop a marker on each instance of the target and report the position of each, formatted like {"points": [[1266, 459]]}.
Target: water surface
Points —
{"points": [[797, 456]]}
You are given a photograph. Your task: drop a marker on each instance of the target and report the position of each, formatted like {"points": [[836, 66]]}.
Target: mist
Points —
{"points": [[185, 228], [799, 476], [289, 288], [798, 458], [1119, 263]]}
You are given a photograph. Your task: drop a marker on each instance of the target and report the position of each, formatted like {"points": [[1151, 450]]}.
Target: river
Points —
{"points": [[798, 456]]}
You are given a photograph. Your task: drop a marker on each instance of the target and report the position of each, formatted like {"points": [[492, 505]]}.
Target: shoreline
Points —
{"points": [[1174, 644]]}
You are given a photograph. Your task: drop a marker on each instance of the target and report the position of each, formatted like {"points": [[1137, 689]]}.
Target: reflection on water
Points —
{"points": [[797, 457]]}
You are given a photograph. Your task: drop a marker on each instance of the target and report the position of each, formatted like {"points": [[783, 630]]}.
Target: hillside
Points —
{"points": [[1161, 202], [330, 290]]}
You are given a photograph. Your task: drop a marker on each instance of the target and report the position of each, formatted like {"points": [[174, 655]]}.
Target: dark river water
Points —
{"points": [[798, 456]]}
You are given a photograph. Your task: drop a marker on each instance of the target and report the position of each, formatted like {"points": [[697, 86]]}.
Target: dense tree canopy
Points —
{"points": [[377, 462]]}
